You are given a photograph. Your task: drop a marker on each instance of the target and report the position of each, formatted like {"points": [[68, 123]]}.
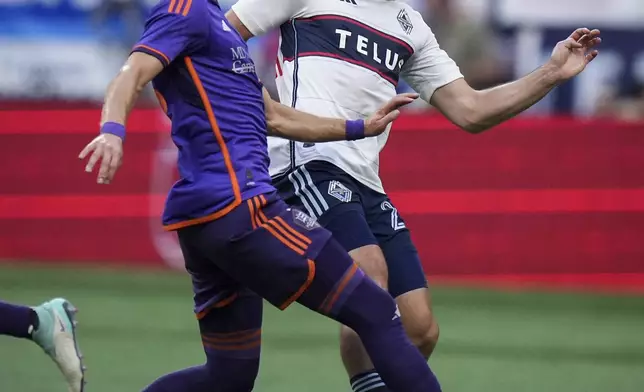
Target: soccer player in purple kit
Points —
{"points": [[241, 243], [51, 326]]}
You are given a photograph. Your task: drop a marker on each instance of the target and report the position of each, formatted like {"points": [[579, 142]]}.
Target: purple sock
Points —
{"points": [[341, 291], [231, 337], [17, 321], [190, 379], [233, 374], [371, 312], [223, 375]]}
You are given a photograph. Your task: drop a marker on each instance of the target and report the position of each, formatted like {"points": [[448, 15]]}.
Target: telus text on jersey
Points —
{"points": [[392, 60]]}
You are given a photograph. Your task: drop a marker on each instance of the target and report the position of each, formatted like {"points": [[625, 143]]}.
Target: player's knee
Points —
{"points": [[348, 338], [418, 319], [424, 335], [372, 261]]}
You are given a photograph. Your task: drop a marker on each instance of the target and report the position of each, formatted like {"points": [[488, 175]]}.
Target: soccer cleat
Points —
{"points": [[56, 335]]}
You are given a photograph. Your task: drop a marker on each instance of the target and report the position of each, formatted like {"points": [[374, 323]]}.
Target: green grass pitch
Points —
{"points": [[136, 326]]}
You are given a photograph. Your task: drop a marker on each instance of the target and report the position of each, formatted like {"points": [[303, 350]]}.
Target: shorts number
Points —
{"points": [[396, 223]]}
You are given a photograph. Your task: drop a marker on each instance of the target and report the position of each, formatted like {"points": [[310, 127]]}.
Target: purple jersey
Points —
{"points": [[211, 93]]}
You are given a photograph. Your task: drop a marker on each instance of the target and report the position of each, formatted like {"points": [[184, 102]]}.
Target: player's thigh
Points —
{"points": [[212, 287], [334, 200], [274, 256], [279, 260], [316, 187], [324, 192], [406, 272], [348, 224], [229, 314]]}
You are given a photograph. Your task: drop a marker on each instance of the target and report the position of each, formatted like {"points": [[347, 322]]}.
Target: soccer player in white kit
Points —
{"points": [[344, 58]]}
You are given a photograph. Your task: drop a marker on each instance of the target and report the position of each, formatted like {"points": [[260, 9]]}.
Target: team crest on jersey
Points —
{"points": [[303, 220], [405, 21], [339, 191]]}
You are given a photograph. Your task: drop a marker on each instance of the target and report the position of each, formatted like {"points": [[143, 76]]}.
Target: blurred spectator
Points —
{"points": [[626, 105], [129, 14], [121, 22], [472, 44], [82, 43]]}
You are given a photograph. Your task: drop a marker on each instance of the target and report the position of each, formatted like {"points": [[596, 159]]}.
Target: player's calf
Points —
{"points": [[231, 336], [356, 301], [232, 365], [196, 378], [354, 356]]}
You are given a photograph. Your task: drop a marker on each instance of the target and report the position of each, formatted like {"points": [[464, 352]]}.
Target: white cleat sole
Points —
{"points": [[68, 356]]}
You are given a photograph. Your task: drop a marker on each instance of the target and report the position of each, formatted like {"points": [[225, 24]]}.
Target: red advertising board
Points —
{"points": [[552, 196]]}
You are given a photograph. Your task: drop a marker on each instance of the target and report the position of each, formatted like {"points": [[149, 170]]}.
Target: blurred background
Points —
{"points": [[531, 233]]}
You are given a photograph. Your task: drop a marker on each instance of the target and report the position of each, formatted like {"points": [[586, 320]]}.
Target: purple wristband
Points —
{"points": [[114, 129], [355, 129]]}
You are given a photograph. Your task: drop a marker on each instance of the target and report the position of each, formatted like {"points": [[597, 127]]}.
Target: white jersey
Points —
{"points": [[343, 59]]}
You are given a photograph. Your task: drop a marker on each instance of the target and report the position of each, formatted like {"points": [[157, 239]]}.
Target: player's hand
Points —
{"points": [[108, 149], [571, 56], [378, 122]]}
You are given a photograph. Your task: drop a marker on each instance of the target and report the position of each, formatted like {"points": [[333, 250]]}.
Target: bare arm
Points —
{"points": [[288, 123], [124, 89], [476, 111], [167, 36], [121, 95]]}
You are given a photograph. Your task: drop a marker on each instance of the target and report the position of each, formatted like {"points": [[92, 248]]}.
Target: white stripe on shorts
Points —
{"points": [[305, 191], [316, 191], [298, 193]]}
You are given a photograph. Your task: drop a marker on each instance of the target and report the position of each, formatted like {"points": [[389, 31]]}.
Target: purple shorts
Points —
{"points": [[262, 246]]}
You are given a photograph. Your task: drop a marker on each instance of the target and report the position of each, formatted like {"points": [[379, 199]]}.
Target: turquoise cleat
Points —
{"points": [[56, 334]]}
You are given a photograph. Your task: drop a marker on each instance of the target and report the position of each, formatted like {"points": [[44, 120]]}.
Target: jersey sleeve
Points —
{"points": [[430, 67], [174, 29], [262, 16]]}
